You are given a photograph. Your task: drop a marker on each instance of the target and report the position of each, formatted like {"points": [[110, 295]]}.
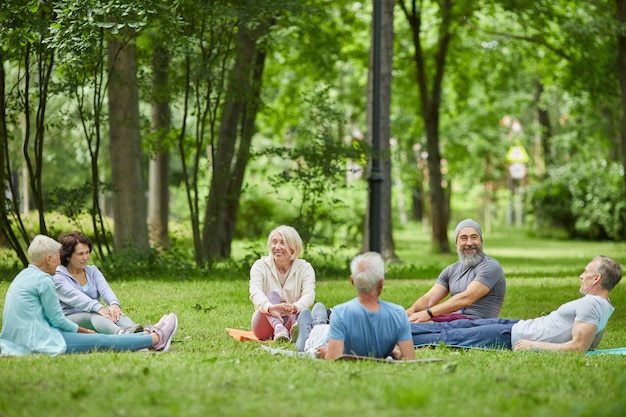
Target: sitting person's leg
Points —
{"points": [[83, 319], [84, 342], [438, 327], [494, 333], [157, 337], [104, 325], [127, 325], [263, 325], [307, 321]]}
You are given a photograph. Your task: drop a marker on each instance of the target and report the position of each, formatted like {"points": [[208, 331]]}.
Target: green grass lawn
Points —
{"points": [[210, 374]]}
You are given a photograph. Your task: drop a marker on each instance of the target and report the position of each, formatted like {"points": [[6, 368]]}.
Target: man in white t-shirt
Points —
{"points": [[575, 326]]}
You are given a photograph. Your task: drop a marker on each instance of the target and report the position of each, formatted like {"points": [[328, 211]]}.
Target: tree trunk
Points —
{"points": [[243, 154], [8, 235], [158, 195], [386, 64], [238, 115], [33, 154], [430, 108], [545, 132], [129, 199], [621, 69]]}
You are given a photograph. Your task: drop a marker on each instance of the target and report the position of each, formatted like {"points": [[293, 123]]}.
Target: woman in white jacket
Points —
{"points": [[281, 285]]}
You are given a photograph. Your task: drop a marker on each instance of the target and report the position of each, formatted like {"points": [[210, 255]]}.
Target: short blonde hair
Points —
{"points": [[292, 240], [42, 246]]}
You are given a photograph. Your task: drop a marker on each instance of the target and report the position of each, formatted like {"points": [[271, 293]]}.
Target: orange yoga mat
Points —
{"points": [[244, 335]]}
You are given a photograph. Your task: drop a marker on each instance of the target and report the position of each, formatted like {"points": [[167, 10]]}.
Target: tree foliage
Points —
{"points": [[248, 79], [315, 165]]}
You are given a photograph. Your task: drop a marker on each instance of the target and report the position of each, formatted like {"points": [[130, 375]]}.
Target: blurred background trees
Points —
{"points": [[186, 125]]}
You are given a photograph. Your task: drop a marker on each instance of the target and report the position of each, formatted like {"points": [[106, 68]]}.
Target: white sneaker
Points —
{"points": [[293, 332], [319, 314], [281, 333]]}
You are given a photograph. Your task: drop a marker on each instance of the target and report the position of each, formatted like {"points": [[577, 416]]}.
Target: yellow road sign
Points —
{"points": [[517, 154]]}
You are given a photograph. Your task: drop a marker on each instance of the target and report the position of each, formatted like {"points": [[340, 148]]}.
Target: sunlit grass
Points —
{"points": [[208, 370]]}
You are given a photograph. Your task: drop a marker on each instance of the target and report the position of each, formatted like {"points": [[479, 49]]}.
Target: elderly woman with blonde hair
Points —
{"points": [[281, 285]]}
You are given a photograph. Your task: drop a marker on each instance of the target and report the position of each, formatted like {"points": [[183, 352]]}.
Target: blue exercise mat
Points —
{"points": [[616, 351]]}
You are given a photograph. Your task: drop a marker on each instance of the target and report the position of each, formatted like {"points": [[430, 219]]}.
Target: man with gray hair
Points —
{"points": [[363, 326], [476, 283]]}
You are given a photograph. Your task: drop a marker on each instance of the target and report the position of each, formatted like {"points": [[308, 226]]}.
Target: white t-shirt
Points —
{"points": [[557, 326]]}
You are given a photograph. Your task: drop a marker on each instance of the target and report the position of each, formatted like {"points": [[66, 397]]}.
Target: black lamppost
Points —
{"points": [[375, 179]]}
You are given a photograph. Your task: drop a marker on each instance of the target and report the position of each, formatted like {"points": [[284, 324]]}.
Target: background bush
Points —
{"points": [[585, 199]]}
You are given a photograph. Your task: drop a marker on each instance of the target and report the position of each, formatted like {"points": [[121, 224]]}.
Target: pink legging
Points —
{"points": [[261, 326]]}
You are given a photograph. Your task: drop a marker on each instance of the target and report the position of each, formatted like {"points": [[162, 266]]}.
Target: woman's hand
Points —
{"points": [[282, 309], [105, 312], [115, 312]]}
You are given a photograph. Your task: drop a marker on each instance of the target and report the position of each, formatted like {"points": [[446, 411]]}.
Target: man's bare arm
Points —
{"points": [[583, 335]]}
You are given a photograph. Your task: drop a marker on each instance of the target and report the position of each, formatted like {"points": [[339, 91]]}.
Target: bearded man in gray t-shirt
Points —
{"points": [[476, 283]]}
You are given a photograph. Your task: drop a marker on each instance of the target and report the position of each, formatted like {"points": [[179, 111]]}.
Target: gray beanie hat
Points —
{"points": [[467, 223]]}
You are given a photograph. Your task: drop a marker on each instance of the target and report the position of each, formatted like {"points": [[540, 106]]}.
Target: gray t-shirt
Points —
{"points": [[557, 326], [457, 277]]}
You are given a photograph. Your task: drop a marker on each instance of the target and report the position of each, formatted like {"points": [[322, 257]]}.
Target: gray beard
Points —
{"points": [[470, 260]]}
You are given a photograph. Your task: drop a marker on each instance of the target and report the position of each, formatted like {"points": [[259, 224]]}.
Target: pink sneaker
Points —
{"points": [[165, 328], [281, 333]]}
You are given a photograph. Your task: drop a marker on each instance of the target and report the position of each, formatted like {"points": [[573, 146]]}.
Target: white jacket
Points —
{"points": [[299, 288]]}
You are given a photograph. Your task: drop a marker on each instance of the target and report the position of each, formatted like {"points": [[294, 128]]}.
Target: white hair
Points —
{"points": [[367, 270], [42, 246]]}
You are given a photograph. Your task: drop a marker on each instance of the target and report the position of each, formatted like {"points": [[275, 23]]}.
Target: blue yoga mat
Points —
{"points": [[616, 351]]}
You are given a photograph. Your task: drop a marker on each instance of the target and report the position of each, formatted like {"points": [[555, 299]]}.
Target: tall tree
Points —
{"points": [[7, 204], [201, 64], [621, 70], [158, 197], [23, 36], [82, 33], [430, 66], [129, 200], [15, 25], [83, 74], [241, 103]]}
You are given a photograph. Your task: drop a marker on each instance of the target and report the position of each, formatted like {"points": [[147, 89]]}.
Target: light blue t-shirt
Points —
{"points": [[32, 316], [557, 326], [367, 333]]}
